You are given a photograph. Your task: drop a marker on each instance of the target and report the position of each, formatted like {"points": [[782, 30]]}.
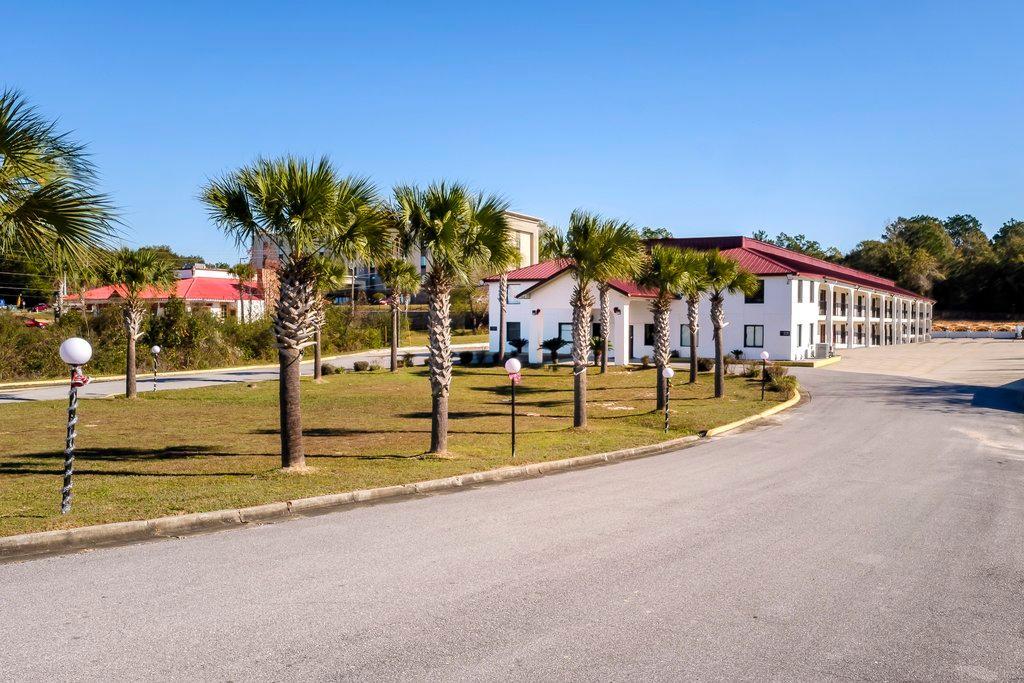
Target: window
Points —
{"points": [[813, 288], [684, 335], [799, 335], [799, 291], [513, 331], [648, 334], [565, 331], [595, 330], [423, 264], [757, 297], [753, 336]]}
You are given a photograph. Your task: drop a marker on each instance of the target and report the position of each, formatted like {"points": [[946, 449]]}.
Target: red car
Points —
{"points": [[32, 322], [39, 308]]}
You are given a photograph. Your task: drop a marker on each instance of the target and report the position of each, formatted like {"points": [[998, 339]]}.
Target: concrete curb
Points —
{"points": [[25, 546], [715, 431], [31, 384]]}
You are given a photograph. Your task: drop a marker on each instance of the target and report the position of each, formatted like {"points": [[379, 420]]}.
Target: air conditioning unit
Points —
{"points": [[821, 350]]}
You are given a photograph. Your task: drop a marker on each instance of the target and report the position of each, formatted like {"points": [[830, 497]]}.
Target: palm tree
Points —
{"points": [[693, 289], [725, 275], [48, 209], [597, 250], [402, 279], [458, 233], [134, 273], [245, 273], [622, 238], [329, 274], [667, 272], [304, 209]]}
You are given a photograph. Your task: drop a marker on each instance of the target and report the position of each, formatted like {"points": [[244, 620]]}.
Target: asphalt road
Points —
{"points": [[875, 532], [208, 378]]}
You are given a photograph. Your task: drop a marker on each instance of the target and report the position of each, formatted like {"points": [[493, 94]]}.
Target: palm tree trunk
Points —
{"points": [[717, 321], [692, 315], [394, 333], [582, 304], [318, 371], [289, 400], [660, 308], [132, 326], [352, 286], [502, 312], [439, 334], [606, 325]]}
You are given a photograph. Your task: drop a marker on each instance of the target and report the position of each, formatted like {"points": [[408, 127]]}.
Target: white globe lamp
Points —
{"points": [[75, 351], [512, 366], [668, 373], [155, 349], [764, 355]]}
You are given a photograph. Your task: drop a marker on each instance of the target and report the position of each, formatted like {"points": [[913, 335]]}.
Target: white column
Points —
{"points": [[881, 319], [829, 305], [536, 336], [849, 319], [897, 324], [620, 334]]}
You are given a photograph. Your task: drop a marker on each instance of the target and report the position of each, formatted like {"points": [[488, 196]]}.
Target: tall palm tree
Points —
{"points": [[245, 273], [725, 275], [135, 273], [303, 208], [693, 289], [329, 273], [402, 279], [667, 272], [48, 209], [621, 239], [597, 250], [457, 232]]}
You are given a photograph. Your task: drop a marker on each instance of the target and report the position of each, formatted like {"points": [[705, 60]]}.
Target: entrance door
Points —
{"points": [[630, 357]]}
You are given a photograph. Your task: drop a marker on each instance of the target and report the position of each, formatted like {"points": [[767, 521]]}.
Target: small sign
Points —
{"points": [[493, 328], [784, 333]]}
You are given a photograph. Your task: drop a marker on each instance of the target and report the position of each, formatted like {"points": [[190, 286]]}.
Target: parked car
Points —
{"points": [[39, 308], [32, 322]]}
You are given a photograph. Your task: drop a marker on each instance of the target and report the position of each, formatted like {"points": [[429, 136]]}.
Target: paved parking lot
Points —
{"points": [[977, 362]]}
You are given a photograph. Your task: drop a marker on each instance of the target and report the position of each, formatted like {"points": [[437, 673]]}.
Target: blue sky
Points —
{"points": [[707, 118]]}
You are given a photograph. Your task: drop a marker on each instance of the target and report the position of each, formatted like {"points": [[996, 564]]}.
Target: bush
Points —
{"points": [[518, 344], [674, 353], [752, 371], [645, 361], [361, 366], [465, 357], [786, 384], [328, 369], [775, 371], [737, 353], [408, 360], [705, 364]]}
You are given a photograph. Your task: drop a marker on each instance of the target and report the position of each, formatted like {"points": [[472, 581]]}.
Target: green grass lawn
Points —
{"points": [[206, 449], [419, 337]]}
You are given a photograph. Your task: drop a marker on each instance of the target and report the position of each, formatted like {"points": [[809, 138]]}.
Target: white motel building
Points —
{"points": [[804, 308]]}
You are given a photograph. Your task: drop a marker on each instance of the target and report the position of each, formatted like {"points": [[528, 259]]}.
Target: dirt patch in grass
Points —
{"points": [[205, 449]]}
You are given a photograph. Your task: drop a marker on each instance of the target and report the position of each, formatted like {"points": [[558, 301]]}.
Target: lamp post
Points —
{"points": [[668, 373], [764, 371], [155, 350], [512, 367], [76, 352]]}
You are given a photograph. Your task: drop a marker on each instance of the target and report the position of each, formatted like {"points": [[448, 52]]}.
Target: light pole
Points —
{"points": [[76, 352], [764, 371], [668, 373], [512, 367], [155, 350]]}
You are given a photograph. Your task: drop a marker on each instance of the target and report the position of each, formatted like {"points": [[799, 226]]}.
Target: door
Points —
{"points": [[630, 344]]}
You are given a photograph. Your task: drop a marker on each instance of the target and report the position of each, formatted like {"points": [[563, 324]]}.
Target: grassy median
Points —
{"points": [[206, 449]]}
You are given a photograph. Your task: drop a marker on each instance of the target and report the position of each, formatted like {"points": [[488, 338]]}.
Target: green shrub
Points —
{"points": [[752, 371], [786, 384], [408, 360], [361, 366], [328, 369], [465, 357], [775, 371], [705, 364], [645, 361]]}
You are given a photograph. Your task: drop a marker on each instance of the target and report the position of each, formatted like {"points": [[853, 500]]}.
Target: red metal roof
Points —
{"points": [[190, 289], [538, 271]]}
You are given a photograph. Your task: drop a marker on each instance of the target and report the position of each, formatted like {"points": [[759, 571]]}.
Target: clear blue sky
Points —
{"points": [[708, 118]]}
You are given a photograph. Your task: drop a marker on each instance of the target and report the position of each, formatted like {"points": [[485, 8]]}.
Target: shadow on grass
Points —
{"points": [[31, 468], [129, 454]]}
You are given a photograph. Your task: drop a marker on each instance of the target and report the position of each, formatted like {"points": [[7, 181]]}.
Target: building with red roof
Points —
{"points": [[805, 307], [201, 288]]}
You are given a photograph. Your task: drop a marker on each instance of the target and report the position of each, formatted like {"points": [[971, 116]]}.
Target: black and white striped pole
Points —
{"points": [[76, 352], [155, 350], [668, 373]]}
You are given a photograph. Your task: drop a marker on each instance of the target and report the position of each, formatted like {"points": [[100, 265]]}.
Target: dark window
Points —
{"points": [[753, 336], [565, 331], [684, 335], [649, 334], [513, 331], [814, 288], [799, 335], [595, 330], [799, 291], [757, 297]]}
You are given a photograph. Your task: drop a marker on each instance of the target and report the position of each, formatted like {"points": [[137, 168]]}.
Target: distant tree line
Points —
{"points": [[952, 260]]}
